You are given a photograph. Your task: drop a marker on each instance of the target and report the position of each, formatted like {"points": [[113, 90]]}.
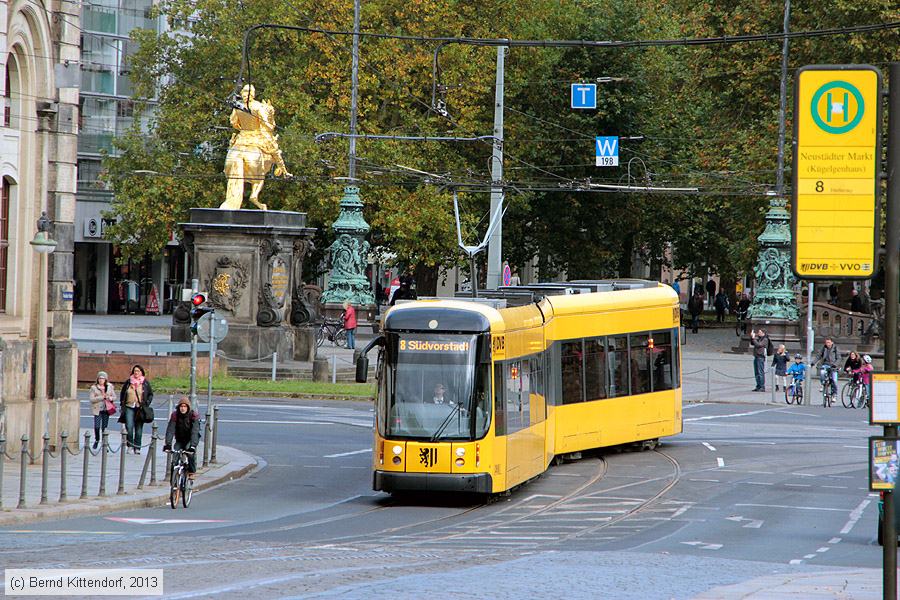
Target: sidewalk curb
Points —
{"points": [[265, 394], [95, 505]]}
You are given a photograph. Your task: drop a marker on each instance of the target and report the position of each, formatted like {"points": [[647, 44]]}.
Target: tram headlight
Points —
{"points": [[396, 460], [460, 462], [460, 452], [397, 450]]}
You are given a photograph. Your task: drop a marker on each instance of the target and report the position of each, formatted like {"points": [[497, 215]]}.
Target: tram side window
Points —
{"points": [[594, 369], [518, 396], [676, 364], [482, 400], [662, 361], [640, 363], [572, 373], [617, 354], [499, 400]]}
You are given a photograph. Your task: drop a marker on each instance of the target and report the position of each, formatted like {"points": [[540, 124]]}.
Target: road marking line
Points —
{"points": [[859, 447], [242, 421], [855, 515], [680, 511], [744, 414], [796, 507], [140, 521], [803, 474], [363, 451], [707, 480], [796, 561], [840, 476], [709, 446], [835, 487], [834, 540], [62, 532], [720, 461], [758, 483], [823, 549], [797, 485], [808, 556]]}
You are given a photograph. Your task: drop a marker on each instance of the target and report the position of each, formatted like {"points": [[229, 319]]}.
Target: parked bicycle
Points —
{"points": [[793, 394], [181, 484], [855, 394], [829, 389], [333, 331]]}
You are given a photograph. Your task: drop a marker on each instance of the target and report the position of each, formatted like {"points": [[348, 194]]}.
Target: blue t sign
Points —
{"points": [[584, 95]]}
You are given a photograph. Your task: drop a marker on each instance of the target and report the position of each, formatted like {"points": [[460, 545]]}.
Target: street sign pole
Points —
{"points": [[212, 355], [891, 299]]}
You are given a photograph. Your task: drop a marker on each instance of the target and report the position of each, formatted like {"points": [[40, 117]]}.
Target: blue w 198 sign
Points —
{"points": [[607, 151], [584, 95]]}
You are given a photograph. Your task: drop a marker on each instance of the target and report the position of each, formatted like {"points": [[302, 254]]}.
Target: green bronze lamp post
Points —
{"points": [[350, 250]]}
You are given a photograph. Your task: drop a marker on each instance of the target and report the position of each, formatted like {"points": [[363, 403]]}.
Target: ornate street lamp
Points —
{"points": [[44, 246]]}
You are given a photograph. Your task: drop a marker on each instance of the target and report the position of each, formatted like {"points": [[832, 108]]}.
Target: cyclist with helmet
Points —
{"points": [[864, 372], [797, 371], [184, 431]]}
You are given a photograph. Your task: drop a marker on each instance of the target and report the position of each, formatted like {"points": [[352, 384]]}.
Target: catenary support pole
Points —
{"points": [[354, 91], [495, 245], [810, 340], [891, 299]]}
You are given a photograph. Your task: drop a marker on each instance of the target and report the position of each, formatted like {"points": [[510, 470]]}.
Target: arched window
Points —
{"points": [[11, 93], [6, 185]]}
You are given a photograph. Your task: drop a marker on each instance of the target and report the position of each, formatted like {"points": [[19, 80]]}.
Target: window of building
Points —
{"points": [[572, 372], [640, 363], [663, 365], [5, 185], [617, 355]]}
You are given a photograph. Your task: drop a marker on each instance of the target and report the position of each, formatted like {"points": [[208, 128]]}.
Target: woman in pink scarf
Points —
{"points": [[136, 393]]}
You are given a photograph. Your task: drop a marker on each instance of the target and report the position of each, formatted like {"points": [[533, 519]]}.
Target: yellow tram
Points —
{"points": [[474, 397]]}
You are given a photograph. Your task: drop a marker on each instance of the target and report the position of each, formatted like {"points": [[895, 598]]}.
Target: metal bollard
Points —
{"points": [[23, 472], [45, 467], [333, 368], [772, 386], [274, 364], [2, 466], [122, 453], [87, 456], [64, 448], [707, 384], [215, 433], [206, 430], [153, 440], [103, 458]]}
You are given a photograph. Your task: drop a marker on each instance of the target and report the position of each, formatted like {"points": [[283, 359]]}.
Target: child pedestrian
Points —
{"points": [[780, 361]]}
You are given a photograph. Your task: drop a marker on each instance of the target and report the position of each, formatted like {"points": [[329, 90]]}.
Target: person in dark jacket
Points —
{"points": [[780, 361], [183, 431], [136, 394], [856, 303], [695, 307], [853, 362], [721, 304], [711, 291], [760, 343], [828, 356]]}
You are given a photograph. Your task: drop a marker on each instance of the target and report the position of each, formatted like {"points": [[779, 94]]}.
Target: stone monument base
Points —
{"points": [[780, 331], [249, 264]]}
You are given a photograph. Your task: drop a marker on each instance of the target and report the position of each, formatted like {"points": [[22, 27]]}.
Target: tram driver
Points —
{"points": [[439, 397]]}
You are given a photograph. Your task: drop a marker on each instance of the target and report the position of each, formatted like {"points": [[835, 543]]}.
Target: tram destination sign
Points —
{"points": [[837, 150]]}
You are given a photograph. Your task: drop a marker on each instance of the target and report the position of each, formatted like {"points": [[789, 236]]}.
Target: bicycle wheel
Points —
{"points": [[340, 338], [320, 336], [187, 490], [173, 490], [847, 395], [798, 394], [789, 394]]}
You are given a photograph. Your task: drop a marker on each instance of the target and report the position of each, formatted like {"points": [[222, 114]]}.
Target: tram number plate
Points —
{"points": [[498, 344]]}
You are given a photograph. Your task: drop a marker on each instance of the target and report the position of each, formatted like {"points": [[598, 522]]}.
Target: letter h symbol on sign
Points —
{"points": [[837, 107]]}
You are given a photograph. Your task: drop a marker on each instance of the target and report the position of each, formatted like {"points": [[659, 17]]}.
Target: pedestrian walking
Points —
{"points": [[135, 400], [833, 294], [780, 361], [856, 302], [721, 305], [695, 307], [711, 291], [760, 343], [677, 287], [349, 318], [103, 398]]}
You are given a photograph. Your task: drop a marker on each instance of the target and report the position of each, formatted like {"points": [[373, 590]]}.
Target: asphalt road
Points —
{"points": [[743, 492]]}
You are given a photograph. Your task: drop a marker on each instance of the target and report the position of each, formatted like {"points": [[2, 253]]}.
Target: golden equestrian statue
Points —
{"points": [[253, 150]]}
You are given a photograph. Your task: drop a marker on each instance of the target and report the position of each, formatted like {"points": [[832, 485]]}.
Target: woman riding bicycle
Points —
{"points": [[853, 362], [184, 430]]}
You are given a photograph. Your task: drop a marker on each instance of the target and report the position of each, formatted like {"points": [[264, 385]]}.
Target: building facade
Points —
{"points": [[38, 139], [107, 109]]}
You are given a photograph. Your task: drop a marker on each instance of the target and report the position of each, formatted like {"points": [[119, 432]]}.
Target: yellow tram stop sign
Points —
{"points": [[837, 151]]}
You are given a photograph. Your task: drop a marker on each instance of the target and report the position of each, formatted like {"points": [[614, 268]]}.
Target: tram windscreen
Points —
{"points": [[436, 390]]}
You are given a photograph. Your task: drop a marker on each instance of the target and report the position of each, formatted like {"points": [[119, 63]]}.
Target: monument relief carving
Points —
{"points": [[227, 283]]}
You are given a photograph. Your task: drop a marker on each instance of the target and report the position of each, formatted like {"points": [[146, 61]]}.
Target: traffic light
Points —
{"points": [[198, 310]]}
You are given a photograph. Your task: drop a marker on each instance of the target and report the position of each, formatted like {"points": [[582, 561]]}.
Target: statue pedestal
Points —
{"points": [[249, 262]]}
